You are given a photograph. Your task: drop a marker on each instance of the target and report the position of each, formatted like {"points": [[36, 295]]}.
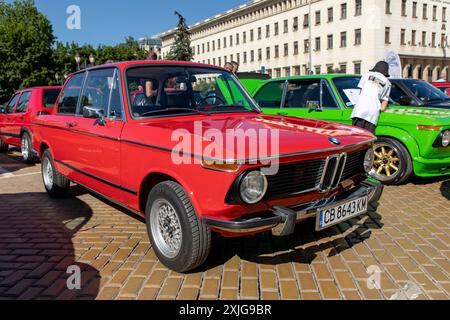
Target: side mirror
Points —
{"points": [[92, 113], [314, 106], [406, 101]]}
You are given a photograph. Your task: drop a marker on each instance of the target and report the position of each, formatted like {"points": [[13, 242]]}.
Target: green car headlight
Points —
{"points": [[443, 141]]}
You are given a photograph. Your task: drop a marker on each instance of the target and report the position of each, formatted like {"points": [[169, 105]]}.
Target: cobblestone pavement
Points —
{"points": [[406, 245]]}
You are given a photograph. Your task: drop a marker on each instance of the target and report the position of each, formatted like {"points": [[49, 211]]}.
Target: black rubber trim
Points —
{"points": [[7, 134], [98, 178], [267, 219]]}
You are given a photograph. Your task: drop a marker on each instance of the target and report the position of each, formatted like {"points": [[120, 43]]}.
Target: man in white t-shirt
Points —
{"points": [[374, 97]]}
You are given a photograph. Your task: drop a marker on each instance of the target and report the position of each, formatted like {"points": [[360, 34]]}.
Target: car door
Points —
{"points": [[6, 129], [18, 116], [99, 124], [311, 98]]}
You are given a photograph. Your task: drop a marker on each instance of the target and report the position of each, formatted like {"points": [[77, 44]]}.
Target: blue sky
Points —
{"points": [[110, 21]]}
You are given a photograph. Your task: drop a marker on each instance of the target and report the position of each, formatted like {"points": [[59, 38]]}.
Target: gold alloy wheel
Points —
{"points": [[387, 162]]}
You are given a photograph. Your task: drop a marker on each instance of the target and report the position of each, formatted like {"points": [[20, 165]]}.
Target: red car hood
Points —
{"points": [[295, 135]]}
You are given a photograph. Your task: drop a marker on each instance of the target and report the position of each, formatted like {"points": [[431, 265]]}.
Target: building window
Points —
{"points": [[306, 46], [252, 36], [434, 13], [343, 39], [287, 71], [317, 18], [267, 31], [224, 42], [357, 67], [268, 53], [358, 7], [295, 47], [252, 56], [358, 37], [203, 48], [259, 54], [318, 69], [214, 61], [231, 57], [218, 44], [388, 7], [207, 46], [403, 37], [424, 39], [306, 21], [231, 41], [425, 11], [244, 37], [414, 9], [404, 8], [245, 57], [286, 26], [343, 68], [330, 14], [277, 51], [443, 40], [387, 35], [225, 59], [286, 49], [444, 14], [259, 33], [330, 42], [296, 70], [317, 44], [433, 39], [295, 25], [343, 11], [238, 57], [413, 37], [214, 45], [276, 32], [237, 39]]}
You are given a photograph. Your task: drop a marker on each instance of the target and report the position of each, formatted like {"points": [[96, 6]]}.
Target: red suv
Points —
{"points": [[195, 155], [16, 117]]}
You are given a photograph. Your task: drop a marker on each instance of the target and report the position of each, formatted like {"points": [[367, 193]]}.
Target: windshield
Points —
{"points": [[178, 90], [347, 88], [425, 91]]}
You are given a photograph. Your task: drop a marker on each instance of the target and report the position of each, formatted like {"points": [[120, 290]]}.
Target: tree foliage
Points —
{"points": [[181, 49]]}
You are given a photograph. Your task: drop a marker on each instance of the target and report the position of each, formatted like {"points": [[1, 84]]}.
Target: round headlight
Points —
{"points": [[253, 187], [446, 138], [369, 158]]}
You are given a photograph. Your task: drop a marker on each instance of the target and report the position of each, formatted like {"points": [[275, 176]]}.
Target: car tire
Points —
{"points": [[3, 146], [55, 183], [393, 164], [179, 238], [26, 148]]}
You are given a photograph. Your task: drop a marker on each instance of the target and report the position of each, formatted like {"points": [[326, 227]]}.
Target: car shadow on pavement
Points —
{"points": [[445, 189], [37, 249], [303, 246], [12, 161]]}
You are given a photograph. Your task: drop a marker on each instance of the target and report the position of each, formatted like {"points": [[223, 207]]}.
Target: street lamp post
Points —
{"points": [[85, 64], [78, 60], [57, 78], [310, 38]]}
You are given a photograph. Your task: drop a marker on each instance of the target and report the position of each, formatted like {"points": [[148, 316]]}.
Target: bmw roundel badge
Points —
{"points": [[334, 141]]}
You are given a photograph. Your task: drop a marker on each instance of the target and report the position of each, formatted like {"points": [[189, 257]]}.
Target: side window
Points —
{"points": [[115, 103], [270, 95], [24, 101], [300, 92], [97, 90], [328, 101], [68, 101], [396, 93], [10, 106]]}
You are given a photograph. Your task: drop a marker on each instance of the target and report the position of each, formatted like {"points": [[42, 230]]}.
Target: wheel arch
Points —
{"points": [[401, 136], [25, 130]]}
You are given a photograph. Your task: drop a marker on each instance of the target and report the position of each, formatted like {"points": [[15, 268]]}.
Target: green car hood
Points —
{"points": [[415, 115]]}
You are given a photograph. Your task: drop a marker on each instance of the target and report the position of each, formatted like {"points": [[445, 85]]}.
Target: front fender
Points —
{"points": [[401, 135]]}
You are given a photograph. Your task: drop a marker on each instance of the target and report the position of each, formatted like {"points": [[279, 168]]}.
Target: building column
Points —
{"points": [[436, 73], [406, 70], [426, 73], [416, 71], [444, 73]]}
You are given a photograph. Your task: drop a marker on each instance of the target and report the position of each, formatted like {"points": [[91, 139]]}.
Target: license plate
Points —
{"points": [[334, 215]]}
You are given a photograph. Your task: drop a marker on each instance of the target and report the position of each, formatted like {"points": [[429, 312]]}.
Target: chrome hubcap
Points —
{"points": [[387, 162], [25, 148], [166, 228], [47, 173]]}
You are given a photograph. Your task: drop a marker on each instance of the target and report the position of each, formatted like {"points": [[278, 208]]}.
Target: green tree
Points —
{"points": [[181, 50], [26, 38]]}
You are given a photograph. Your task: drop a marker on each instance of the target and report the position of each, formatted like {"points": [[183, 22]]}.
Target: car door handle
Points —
{"points": [[71, 124]]}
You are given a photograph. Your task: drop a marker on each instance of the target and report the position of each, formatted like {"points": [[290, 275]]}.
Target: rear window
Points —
{"points": [[49, 97]]}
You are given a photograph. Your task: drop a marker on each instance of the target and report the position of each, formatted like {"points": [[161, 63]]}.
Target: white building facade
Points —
{"points": [[347, 36]]}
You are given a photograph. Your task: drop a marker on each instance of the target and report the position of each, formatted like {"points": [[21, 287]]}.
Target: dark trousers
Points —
{"points": [[357, 122]]}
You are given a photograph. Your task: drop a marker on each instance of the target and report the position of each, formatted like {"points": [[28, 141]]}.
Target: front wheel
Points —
{"points": [[392, 163], [27, 149], [179, 238], [56, 184]]}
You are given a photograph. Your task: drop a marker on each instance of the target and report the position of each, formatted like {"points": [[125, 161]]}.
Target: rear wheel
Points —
{"points": [[393, 163], [27, 150], [179, 238], [3, 146], [56, 184]]}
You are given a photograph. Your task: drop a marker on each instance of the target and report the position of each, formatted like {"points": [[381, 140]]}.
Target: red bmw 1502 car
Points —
{"points": [[153, 156], [17, 115]]}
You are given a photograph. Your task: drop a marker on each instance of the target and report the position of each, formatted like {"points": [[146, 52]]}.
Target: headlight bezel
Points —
{"points": [[370, 157], [264, 187], [444, 135]]}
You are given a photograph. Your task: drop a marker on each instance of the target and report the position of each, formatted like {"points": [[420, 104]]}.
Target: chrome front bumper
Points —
{"points": [[282, 220]]}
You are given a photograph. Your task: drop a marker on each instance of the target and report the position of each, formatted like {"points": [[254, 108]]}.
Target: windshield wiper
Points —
{"points": [[174, 109]]}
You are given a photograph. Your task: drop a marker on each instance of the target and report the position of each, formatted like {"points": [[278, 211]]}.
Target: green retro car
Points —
{"points": [[410, 139]]}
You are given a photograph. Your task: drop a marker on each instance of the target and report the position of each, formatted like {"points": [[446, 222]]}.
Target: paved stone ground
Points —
{"points": [[408, 242]]}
